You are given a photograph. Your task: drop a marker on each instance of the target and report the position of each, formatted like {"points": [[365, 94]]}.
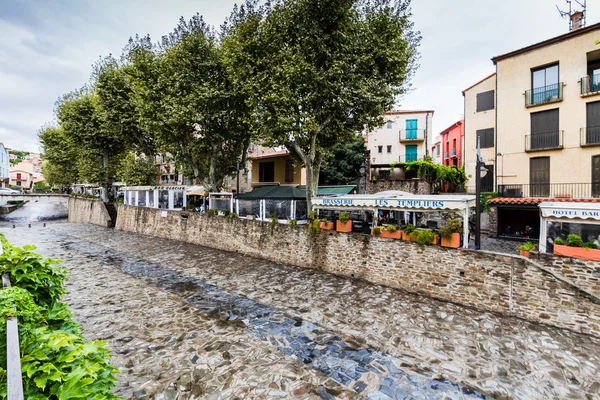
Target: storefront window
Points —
{"points": [[562, 230]]}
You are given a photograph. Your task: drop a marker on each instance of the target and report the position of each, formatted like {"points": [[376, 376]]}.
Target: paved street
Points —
{"points": [[187, 322]]}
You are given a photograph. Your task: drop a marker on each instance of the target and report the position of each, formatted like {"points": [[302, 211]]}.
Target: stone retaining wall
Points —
{"points": [[416, 186], [506, 284], [88, 211]]}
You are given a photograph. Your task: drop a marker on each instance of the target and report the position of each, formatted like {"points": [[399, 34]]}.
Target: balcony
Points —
{"points": [[590, 85], [445, 155], [590, 136], [452, 152], [544, 95], [544, 141], [551, 190], [412, 135], [410, 157]]}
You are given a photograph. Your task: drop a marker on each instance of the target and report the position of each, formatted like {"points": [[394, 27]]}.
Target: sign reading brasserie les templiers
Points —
{"points": [[393, 203]]}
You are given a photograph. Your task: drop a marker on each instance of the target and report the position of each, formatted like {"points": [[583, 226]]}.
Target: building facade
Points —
{"points": [[451, 141], [406, 136], [275, 168], [538, 122]]}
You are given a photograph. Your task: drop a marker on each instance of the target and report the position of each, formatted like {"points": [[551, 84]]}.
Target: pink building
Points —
{"points": [[452, 144]]}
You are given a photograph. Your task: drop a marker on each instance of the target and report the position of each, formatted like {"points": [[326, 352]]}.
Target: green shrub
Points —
{"points": [[409, 228], [527, 246], [344, 217], [574, 240], [424, 237], [211, 213], [225, 212], [590, 245], [559, 241], [376, 231], [391, 228], [292, 223], [324, 220], [274, 221], [231, 217], [56, 361]]}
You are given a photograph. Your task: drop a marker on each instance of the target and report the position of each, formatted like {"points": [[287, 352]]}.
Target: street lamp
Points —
{"points": [[480, 172], [362, 171]]}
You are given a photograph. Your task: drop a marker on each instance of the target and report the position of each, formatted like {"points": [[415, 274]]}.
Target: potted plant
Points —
{"points": [[425, 237], [576, 248], [525, 248], [326, 225], [451, 232], [391, 232], [344, 224], [407, 231], [376, 231]]}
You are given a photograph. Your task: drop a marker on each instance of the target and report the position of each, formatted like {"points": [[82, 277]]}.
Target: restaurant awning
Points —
{"points": [[196, 191], [576, 212], [398, 201]]}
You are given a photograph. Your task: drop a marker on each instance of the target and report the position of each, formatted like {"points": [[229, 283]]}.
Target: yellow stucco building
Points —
{"points": [[276, 167]]}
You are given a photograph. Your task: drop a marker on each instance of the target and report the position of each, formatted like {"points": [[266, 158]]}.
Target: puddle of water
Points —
{"points": [[346, 362]]}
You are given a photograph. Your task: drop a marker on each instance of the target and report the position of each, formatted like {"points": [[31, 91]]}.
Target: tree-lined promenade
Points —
{"points": [[304, 74]]}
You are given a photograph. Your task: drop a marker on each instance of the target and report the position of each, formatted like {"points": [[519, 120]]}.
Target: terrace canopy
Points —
{"points": [[562, 218], [401, 201]]}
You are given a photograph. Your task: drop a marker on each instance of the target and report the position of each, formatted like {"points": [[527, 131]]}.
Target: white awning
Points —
{"points": [[399, 201], [570, 210], [145, 188]]}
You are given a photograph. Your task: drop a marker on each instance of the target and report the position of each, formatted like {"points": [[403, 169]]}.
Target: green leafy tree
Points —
{"points": [[318, 71], [342, 163], [60, 156], [137, 170]]}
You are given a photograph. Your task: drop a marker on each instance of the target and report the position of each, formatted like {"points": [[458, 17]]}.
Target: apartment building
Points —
{"points": [[538, 122], [451, 141], [275, 167], [405, 136], [436, 150]]}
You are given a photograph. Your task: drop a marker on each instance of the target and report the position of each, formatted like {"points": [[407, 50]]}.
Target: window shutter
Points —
{"points": [[485, 101]]}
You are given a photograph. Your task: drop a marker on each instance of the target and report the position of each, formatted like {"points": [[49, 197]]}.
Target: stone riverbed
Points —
{"points": [[189, 322]]}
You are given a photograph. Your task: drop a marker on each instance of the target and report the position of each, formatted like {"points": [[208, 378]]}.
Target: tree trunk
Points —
{"points": [[212, 170], [104, 193]]}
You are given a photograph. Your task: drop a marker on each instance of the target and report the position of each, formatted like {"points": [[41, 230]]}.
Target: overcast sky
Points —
{"points": [[48, 47]]}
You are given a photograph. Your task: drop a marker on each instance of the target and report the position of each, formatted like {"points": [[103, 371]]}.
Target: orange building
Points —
{"points": [[452, 144]]}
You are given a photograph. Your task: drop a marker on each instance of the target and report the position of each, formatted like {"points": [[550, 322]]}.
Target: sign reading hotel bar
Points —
{"points": [[391, 203], [571, 213]]}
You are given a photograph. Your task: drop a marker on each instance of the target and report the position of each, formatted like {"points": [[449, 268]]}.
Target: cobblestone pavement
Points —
{"points": [[185, 321], [498, 245]]}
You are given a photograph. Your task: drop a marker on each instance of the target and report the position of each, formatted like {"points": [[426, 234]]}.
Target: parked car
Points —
{"points": [[9, 191]]}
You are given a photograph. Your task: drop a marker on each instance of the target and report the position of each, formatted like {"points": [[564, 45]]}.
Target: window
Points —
{"points": [[266, 171], [384, 174], [596, 176], [410, 153], [412, 126], [485, 101], [544, 85], [544, 130], [380, 149], [539, 177], [486, 138], [592, 129], [389, 125], [389, 149], [18, 176], [289, 171], [437, 150]]}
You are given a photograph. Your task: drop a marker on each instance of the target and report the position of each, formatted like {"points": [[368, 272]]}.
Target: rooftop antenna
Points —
{"points": [[577, 17]]}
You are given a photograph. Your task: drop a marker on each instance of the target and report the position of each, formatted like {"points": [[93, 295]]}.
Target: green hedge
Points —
{"points": [[56, 361]]}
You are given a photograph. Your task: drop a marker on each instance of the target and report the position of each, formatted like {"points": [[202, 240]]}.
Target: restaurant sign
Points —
{"points": [[389, 203]]}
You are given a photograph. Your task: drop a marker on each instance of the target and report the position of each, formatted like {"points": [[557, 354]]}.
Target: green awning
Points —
{"points": [[333, 190], [274, 192]]}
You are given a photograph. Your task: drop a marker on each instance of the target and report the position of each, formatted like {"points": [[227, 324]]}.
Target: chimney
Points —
{"points": [[577, 20]]}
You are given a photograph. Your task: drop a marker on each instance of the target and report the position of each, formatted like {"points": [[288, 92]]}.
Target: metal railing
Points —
{"points": [[452, 152], [409, 135], [13, 354], [554, 190], [590, 84], [590, 136], [544, 141], [410, 157], [544, 94], [445, 154]]}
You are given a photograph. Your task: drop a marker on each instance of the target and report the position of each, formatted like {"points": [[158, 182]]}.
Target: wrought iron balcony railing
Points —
{"points": [[412, 135], [553, 190], [590, 84], [544, 95], [452, 152], [590, 136], [410, 157], [544, 141]]}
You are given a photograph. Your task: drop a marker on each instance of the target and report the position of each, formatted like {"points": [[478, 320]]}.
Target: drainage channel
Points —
{"points": [[347, 362]]}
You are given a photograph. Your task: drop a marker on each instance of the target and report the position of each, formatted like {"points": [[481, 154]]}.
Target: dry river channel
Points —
{"points": [[190, 322]]}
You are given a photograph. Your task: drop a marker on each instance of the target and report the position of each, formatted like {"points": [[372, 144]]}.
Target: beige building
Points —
{"points": [[480, 122], [275, 167]]}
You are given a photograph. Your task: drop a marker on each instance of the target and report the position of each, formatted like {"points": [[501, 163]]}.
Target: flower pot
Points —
{"points": [[390, 235], [524, 253], [577, 252], [405, 236], [453, 241], [436, 240], [328, 226], [343, 227]]}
